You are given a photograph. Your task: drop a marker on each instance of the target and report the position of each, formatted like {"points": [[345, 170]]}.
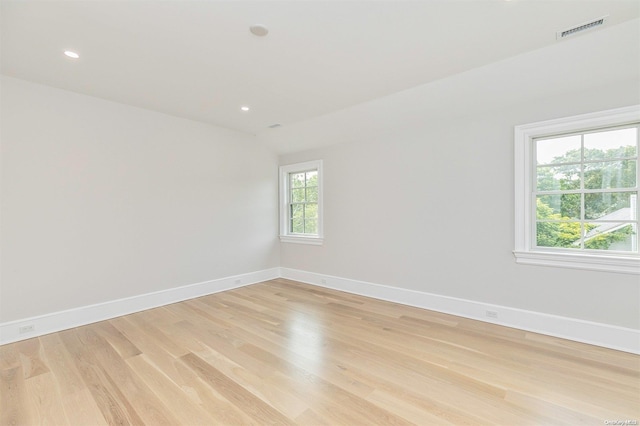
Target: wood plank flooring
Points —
{"points": [[287, 353]]}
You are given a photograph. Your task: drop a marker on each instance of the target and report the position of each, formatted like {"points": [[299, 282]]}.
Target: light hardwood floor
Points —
{"points": [[283, 352]]}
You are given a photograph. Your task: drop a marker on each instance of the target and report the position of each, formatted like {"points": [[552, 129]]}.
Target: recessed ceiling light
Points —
{"points": [[244, 108], [259, 30], [71, 54]]}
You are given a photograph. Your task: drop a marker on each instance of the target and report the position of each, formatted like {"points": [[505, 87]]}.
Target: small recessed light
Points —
{"points": [[71, 54], [244, 108], [259, 30]]}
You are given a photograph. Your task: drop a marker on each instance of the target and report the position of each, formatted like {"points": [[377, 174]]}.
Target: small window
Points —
{"points": [[301, 203], [577, 192]]}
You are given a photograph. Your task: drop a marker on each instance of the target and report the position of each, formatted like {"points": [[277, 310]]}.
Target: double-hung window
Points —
{"points": [[301, 203], [577, 191]]}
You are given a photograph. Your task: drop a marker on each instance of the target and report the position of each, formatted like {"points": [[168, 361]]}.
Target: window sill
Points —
{"points": [[624, 265], [316, 241]]}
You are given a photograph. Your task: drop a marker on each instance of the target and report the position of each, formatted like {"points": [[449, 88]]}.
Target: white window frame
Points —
{"points": [[285, 235], [525, 251]]}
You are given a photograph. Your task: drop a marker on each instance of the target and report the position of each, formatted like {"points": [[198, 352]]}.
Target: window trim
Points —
{"points": [[525, 251], [285, 235]]}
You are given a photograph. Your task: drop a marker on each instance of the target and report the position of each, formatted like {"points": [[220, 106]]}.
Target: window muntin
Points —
{"points": [[585, 194], [301, 203]]}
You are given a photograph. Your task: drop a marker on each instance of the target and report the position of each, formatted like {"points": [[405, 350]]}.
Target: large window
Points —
{"points": [[301, 203], [577, 191]]}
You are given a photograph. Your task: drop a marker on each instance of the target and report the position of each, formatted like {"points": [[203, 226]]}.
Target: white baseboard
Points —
{"points": [[62, 320], [609, 336]]}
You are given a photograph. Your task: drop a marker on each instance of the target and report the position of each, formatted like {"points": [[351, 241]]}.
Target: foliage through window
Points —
{"points": [[303, 202], [586, 190]]}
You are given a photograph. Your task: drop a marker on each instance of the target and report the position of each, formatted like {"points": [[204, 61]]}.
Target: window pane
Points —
{"points": [[558, 150], [610, 174], [558, 206], [608, 205], [312, 178], [297, 211], [611, 144], [297, 180], [312, 194], [297, 226], [552, 178], [558, 234], [311, 211], [297, 195], [310, 226], [610, 236]]}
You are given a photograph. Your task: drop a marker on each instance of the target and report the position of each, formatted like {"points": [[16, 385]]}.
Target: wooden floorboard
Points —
{"points": [[286, 353]]}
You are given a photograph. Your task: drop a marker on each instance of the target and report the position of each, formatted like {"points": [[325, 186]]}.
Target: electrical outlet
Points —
{"points": [[26, 328], [491, 314]]}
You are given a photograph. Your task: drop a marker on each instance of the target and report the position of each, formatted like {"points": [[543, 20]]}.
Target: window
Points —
{"points": [[576, 183], [301, 203]]}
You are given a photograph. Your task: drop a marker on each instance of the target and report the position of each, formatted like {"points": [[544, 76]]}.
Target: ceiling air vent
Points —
{"points": [[580, 28]]}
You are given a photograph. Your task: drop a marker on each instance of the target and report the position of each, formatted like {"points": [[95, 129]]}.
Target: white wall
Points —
{"points": [[424, 201], [102, 201]]}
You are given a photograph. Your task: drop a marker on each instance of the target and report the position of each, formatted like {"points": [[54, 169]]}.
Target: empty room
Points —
{"points": [[319, 212]]}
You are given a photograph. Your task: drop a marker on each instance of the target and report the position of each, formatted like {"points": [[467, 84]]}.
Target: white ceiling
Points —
{"points": [[198, 60], [559, 79]]}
